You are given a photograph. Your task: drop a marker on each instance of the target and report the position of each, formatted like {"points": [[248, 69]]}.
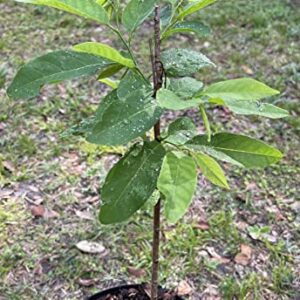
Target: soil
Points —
{"points": [[134, 292]]}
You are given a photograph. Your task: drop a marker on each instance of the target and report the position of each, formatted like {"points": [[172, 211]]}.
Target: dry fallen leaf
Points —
{"points": [[216, 257], [147, 289], [38, 270], [247, 70], [202, 225], [221, 260], [87, 282], [39, 211], [206, 44], [296, 207], [184, 289], [244, 257], [247, 250], [43, 266], [279, 216], [33, 188], [8, 165], [90, 247], [241, 259], [241, 225], [84, 215], [272, 209], [251, 186], [211, 293], [6, 194], [136, 272], [62, 111], [49, 214], [271, 238]]}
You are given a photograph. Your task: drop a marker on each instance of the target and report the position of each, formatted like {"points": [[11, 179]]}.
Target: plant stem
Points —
{"points": [[155, 251], [157, 81], [206, 122], [173, 22], [127, 46]]}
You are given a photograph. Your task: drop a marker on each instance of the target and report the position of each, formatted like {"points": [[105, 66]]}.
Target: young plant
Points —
{"points": [[167, 162]]}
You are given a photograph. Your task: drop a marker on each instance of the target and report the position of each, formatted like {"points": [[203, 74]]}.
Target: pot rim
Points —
{"points": [[112, 289]]}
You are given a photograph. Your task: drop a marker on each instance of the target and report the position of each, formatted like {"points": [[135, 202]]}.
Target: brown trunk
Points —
{"points": [[157, 82]]}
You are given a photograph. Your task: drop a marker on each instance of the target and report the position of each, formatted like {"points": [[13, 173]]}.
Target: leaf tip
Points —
{"points": [[104, 218], [277, 92], [226, 186], [280, 155]]}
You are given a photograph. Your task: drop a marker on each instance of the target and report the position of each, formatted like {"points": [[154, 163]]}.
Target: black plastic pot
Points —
{"points": [[115, 290]]}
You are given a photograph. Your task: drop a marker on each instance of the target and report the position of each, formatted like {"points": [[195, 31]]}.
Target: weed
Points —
{"points": [[26, 145], [282, 279], [248, 288], [222, 227]]}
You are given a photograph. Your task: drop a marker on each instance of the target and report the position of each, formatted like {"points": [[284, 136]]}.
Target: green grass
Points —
{"points": [[65, 173], [248, 288]]}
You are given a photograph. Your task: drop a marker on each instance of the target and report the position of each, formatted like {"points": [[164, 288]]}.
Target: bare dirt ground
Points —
{"points": [[242, 244]]}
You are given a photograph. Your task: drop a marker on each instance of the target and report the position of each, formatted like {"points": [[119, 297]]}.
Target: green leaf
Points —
{"points": [[51, 68], [195, 146], [109, 82], [256, 108], [199, 29], [183, 62], [110, 71], [211, 170], [136, 12], [119, 121], [166, 15], [89, 9], [249, 152], [104, 51], [173, 2], [103, 2], [152, 201], [194, 7], [182, 124], [181, 130], [239, 89], [177, 182], [132, 82], [81, 129], [131, 182], [169, 100], [185, 87]]}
